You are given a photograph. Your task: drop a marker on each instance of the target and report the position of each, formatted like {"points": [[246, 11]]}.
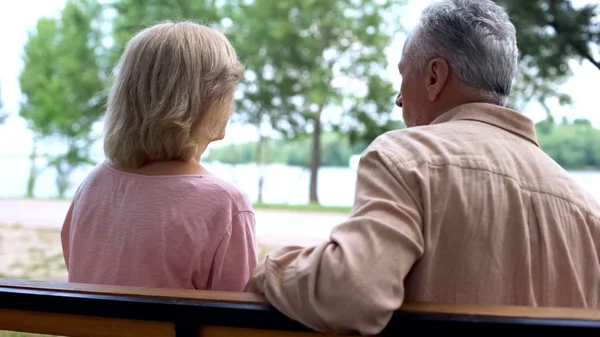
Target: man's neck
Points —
{"points": [[460, 98]]}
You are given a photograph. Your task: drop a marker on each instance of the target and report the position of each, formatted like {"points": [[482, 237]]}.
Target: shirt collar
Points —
{"points": [[502, 117]]}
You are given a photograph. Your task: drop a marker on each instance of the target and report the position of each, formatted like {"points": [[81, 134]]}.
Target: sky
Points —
{"points": [[18, 17]]}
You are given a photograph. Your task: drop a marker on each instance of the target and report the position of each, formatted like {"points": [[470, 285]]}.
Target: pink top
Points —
{"points": [[178, 231]]}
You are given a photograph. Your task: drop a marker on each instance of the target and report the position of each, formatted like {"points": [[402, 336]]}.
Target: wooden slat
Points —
{"points": [[247, 298], [221, 331], [81, 326], [502, 311], [210, 296]]}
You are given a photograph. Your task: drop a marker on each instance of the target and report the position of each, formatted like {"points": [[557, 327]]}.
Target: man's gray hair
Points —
{"points": [[477, 40]]}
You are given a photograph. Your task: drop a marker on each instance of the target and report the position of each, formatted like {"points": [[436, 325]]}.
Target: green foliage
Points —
{"points": [[574, 145], [300, 56], [336, 151], [62, 85], [551, 33], [315, 208], [308, 57], [134, 15]]}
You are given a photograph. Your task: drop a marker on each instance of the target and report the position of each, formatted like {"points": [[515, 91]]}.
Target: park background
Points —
{"points": [[320, 84]]}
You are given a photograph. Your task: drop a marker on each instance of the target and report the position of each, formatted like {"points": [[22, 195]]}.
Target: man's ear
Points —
{"points": [[438, 73]]}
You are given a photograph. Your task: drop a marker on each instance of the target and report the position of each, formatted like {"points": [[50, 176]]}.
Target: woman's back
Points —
{"points": [[167, 231], [150, 216]]}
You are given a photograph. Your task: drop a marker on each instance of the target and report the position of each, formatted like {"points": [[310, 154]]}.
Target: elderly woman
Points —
{"points": [[151, 215]]}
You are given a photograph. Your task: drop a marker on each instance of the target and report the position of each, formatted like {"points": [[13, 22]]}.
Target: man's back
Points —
{"points": [[502, 222], [461, 207], [467, 209]]}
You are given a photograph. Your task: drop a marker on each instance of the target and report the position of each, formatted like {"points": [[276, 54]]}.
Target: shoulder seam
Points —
{"points": [[241, 212], [236, 207], [521, 185], [391, 166]]}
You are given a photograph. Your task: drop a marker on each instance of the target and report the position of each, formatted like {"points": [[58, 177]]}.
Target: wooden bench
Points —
{"points": [[68, 309]]}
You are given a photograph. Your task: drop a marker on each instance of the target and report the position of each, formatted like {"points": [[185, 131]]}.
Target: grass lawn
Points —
{"points": [[304, 208], [28, 253]]}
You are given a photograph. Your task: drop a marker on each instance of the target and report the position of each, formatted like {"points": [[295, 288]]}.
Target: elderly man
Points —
{"points": [[461, 207]]}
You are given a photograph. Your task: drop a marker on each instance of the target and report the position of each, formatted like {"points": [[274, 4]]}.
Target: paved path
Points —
{"points": [[272, 227]]}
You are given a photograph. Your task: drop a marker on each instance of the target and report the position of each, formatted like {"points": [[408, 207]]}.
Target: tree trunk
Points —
{"points": [[260, 165], [33, 171], [315, 158], [65, 165], [62, 178]]}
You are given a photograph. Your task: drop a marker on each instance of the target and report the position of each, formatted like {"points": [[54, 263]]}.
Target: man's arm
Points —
{"points": [[354, 281]]}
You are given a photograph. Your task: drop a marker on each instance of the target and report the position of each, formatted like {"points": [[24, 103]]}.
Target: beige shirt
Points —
{"points": [[466, 210]]}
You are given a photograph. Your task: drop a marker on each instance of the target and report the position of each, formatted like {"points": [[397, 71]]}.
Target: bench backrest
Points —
{"points": [[69, 309]]}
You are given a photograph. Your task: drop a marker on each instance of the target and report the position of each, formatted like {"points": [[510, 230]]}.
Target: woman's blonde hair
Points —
{"points": [[174, 90]]}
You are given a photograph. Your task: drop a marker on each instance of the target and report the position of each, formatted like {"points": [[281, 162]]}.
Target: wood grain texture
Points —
{"points": [[247, 298], [81, 326], [201, 295], [220, 331], [502, 311]]}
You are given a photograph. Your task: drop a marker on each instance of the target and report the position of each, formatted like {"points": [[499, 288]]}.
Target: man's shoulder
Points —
{"points": [[459, 143], [416, 144], [428, 133]]}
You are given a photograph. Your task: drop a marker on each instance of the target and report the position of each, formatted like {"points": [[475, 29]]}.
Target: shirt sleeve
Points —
{"points": [[65, 232], [354, 281], [236, 256], [65, 235]]}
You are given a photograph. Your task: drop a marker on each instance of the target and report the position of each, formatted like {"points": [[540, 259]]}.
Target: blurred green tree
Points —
{"points": [[551, 33], [307, 59], [63, 88], [573, 145], [134, 15], [300, 58]]}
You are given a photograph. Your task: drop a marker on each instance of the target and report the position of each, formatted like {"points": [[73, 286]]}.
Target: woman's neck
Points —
{"points": [[171, 167]]}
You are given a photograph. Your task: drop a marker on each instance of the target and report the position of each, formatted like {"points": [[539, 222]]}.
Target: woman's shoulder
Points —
{"points": [[91, 178], [199, 190], [226, 189]]}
